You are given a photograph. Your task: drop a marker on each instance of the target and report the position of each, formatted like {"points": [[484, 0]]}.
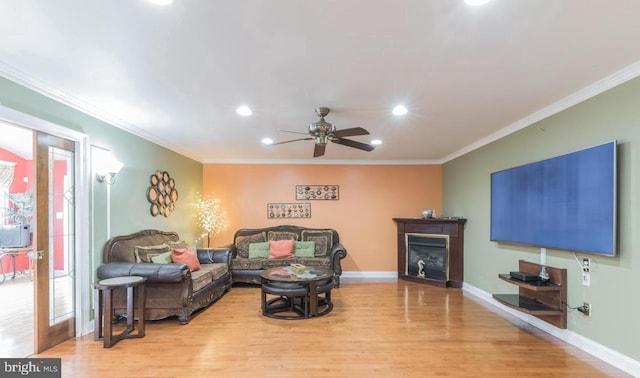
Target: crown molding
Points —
{"points": [[628, 73], [30, 82], [321, 162]]}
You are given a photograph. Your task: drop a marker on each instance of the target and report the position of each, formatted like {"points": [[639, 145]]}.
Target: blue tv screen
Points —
{"points": [[567, 202]]}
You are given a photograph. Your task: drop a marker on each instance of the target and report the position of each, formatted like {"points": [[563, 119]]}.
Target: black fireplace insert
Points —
{"points": [[427, 256]]}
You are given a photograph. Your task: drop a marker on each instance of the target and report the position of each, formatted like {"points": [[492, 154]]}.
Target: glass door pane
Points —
{"points": [[61, 236]]}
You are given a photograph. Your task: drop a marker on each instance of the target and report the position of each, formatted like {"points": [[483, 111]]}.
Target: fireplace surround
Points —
{"points": [[430, 250]]}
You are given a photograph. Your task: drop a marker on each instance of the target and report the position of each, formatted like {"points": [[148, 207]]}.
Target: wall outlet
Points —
{"points": [[586, 309], [586, 265], [586, 279]]}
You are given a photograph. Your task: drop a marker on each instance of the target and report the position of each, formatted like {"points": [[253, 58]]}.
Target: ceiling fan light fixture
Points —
{"points": [[475, 3], [376, 142], [161, 2], [399, 110], [267, 141], [244, 111]]}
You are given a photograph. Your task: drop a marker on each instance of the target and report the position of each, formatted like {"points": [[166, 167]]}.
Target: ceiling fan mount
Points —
{"points": [[323, 132]]}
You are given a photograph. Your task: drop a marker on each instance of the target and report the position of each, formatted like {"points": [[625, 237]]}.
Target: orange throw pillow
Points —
{"points": [[280, 249], [186, 256]]}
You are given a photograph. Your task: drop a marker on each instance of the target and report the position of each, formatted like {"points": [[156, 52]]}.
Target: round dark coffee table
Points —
{"points": [[297, 295]]}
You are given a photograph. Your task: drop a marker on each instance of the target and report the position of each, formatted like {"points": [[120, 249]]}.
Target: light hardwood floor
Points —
{"points": [[377, 329], [16, 316]]}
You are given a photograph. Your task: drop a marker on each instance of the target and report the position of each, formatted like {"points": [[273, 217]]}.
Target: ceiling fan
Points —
{"points": [[323, 132]]}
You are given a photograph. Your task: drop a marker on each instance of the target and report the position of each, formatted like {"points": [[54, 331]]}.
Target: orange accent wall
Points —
{"points": [[370, 196]]}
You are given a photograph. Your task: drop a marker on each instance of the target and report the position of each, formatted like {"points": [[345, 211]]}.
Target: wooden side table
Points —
{"points": [[103, 303]]}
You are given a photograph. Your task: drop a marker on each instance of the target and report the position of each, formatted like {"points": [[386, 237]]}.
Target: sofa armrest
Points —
{"points": [[155, 273], [338, 252], [214, 255]]}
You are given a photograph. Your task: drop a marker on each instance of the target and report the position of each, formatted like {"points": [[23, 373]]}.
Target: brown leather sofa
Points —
{"points": [[328, 251], [171, 289]]}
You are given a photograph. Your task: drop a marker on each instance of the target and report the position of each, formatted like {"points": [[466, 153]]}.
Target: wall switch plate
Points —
{"points": [[586, 279]]}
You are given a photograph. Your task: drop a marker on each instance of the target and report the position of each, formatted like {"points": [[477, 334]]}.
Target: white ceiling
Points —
{"points": [[176, 74]]}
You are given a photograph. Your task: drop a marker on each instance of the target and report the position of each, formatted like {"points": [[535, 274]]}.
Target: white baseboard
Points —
{"points": [[595, 349], [372, 275]]}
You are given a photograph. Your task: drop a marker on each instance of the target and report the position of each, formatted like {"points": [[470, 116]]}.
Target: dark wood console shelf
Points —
{"points": [[544, 301]]}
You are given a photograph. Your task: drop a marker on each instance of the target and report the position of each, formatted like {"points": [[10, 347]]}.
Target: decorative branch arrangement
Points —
{"points": [[211, 216]]}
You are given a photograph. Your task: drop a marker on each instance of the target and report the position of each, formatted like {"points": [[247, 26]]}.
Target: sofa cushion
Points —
{"points": [[281, 249], [272, 263], [304, 249], [259, 250], [163, 258], [242, 242], [178, 244], [216, 270], [240, 263], [322, 238], [281, 235], [315, 261], [186, 256], [144, 253], [200, 279]]}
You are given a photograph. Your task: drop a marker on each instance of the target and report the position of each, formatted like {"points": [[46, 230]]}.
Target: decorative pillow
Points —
{"points": [[304, 249], [144, 253], [180, 244], [322, 238], [186, 256], [163, 258], [282, 235], [242, 243], [280, 249], [259, 250]]}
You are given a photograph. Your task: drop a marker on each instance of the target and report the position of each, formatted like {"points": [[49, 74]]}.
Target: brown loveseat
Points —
{"points": [[171, 289], [328, 251]]}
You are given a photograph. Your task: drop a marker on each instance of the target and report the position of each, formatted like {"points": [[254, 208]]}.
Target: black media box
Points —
{"points": [[526, 277]]}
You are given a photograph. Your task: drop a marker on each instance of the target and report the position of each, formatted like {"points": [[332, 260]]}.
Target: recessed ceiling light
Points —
{"points": [[267, 141], [244, 110], [399, 110], [476, 3], [161, 2], [376, 142]]}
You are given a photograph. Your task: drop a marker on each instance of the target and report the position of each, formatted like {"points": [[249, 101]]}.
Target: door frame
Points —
{"points": [[84, 264]]}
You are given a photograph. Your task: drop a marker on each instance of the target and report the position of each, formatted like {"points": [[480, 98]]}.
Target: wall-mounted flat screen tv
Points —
{"points": [[567, 202]]}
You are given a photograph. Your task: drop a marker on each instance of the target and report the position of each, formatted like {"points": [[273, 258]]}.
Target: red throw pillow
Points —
{"points": [[186, 256], [280, 249]]}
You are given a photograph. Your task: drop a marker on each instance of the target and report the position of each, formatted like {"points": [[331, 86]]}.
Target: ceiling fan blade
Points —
{"points": [[350, 132], [319, 149], [294, 132], [354, 144], [292, 140]]}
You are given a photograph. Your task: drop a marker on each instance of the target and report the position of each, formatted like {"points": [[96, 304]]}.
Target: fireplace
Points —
{"points": [[431, 250], [427, 256]]}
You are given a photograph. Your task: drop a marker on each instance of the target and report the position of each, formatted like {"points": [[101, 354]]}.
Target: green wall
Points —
{"points": [[129, 206], [614, 114]]}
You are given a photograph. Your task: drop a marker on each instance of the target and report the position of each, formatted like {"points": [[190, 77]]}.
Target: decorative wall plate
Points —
{"points": [[289, 210], [317, 192], [152, 194], [162, 194]]}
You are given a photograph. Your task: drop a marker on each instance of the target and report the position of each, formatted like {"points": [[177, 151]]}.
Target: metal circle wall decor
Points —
{"points": [[162, 194]]}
